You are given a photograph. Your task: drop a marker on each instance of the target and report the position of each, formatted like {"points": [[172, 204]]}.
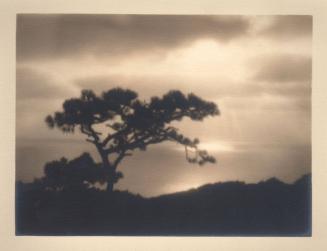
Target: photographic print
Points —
{"points": [[163, 125]]}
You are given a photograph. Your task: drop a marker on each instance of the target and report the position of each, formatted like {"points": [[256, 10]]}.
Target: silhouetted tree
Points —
{"points": [[78, 173], [131, 124]]}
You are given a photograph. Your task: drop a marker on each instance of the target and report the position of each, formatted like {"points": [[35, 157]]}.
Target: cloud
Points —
{"points": [[58, 55], [37, 94], [267, 103], [289, 26], [148, 86], [283, 68], [32, 84], [57, 36]]}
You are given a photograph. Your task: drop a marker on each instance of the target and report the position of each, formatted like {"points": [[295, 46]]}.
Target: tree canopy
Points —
{"points": [[132, 123]]}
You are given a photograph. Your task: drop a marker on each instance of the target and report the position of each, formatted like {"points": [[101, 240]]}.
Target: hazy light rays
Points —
{"points": [[213, 146], [264, 125]]}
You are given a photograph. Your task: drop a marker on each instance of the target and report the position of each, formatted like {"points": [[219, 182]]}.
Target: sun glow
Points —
{"points": [[183, 186], [213, 146], [216, 146]]}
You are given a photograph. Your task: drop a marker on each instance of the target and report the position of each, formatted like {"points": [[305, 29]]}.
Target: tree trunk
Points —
{"points": [[110, 170], [110, 187], [111, 176]]}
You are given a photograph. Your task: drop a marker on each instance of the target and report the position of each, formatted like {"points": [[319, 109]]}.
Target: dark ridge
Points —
{"points": [[268, 208]]}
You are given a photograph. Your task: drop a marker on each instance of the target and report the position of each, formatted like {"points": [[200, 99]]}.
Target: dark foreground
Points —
{"points": [[269, 208]]}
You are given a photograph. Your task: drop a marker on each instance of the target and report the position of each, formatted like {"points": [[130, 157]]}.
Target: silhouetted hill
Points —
{"points": [[231, 208]]}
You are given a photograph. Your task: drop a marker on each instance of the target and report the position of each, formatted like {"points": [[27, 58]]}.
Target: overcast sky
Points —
{"points": [[256, 68]]}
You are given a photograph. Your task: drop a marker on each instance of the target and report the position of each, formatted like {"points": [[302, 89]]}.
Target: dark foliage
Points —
{"points": [[79, 173], [270, 208], [132, 124]]}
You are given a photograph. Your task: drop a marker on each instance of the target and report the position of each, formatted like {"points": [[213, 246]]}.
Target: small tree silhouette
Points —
{"points": [[75, 174], [132, 124]]}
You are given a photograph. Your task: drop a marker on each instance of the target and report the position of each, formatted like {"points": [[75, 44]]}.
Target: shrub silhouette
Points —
{"points": [[79, 173], [130, 124]]}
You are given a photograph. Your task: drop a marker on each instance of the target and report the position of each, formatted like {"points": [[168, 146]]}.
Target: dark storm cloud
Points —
{"points": [[283, 68], [54, 36], [31, 84], [289, 27]]}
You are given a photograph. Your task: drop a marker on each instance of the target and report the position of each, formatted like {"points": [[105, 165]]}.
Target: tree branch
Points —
{"points": [[113, 136], [120, 157]]}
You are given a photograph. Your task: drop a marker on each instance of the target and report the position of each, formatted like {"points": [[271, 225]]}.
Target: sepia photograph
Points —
{"points": [[163, 125]]}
